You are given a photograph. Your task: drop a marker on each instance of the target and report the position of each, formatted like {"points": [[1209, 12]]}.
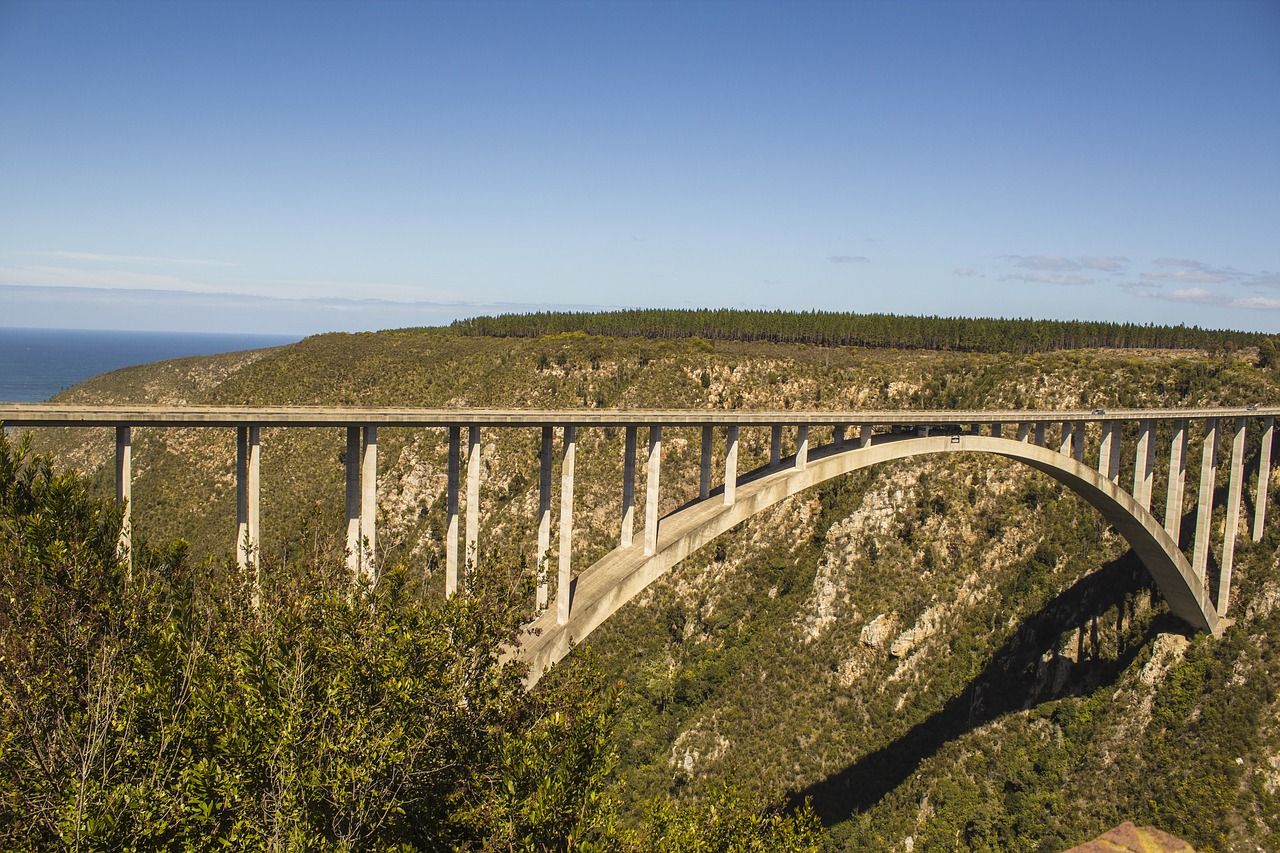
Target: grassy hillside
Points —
{"points": [[942, 654]]}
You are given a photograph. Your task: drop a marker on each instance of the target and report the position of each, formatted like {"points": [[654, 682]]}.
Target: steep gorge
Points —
{"points": [[941, 653]]}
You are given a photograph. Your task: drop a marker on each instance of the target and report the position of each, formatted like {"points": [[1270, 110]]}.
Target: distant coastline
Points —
{"points": [[35, 364]]}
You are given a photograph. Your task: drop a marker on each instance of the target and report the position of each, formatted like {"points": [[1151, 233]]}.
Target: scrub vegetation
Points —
{"points": [[938, 654]]}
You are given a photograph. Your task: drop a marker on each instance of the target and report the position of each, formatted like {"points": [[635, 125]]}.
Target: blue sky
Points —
{"points": [[300, 167]]}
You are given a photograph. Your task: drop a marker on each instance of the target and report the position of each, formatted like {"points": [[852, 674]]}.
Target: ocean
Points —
{"points": [[35, 364]]}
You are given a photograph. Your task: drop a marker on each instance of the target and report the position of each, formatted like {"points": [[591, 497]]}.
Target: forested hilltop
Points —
{"points": [[832, 328], [943, 654]]}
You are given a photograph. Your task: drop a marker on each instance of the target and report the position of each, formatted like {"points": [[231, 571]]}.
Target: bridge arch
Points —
{"points": [[602, 588]]}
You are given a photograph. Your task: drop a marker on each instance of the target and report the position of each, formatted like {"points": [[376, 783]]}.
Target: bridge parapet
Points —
{"points": [[1071, 440]]}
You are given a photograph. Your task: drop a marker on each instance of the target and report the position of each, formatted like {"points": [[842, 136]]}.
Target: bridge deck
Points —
{"points": [[43, 414]]}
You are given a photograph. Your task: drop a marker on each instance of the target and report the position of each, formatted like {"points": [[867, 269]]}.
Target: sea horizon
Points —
{"points": [[37, 363]]}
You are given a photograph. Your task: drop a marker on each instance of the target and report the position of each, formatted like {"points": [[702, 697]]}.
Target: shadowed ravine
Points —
{"points": [[1016, 678]]}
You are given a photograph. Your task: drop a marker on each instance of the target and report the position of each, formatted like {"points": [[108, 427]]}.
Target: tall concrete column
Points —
{"points": [[629, 488], [1064, 446], [997, 430], [1144, 463], [1077, 441], [353, 500], [775, 445], [248, 469], [651, 490], [802, 447], [1264, 477], [731, 466], [865, 434], [1204, 509], [544, 513], [124, 495], [451, 530], [838, 432], [1105, 449], [1040, 434], [1235, 485], [1177, 480], [1117, 439], [566, 523], [369, 503], [473, 497], [704, 473], [1024, 431]]}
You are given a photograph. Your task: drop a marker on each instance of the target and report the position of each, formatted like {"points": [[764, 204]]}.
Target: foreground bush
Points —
{"points": [[158, 709]]}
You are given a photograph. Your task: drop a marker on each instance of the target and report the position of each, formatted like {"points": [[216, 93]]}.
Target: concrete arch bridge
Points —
{"points": [[1081, 450]]}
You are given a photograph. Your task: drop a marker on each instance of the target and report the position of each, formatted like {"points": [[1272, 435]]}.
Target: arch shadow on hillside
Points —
{"points": [[1025, 671]]}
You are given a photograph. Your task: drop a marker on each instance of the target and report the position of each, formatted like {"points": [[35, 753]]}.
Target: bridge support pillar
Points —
{"points": [[1204, 509], [731, 466], [802, 447], [248, 457], [354, 546], [1117, 439], [1040, 434], [472, 555], [651, 490], [362, 499], [1177, 480], [865, 433], [1064, 447], [1144, 463], [1235, 486], [1264, 477], [628, 488], [566, 523], [124, 495], [544, 513], [1106, 449], [704, 473], [997, 430], [451, 531], [838, 433], [1077, 441], [369, 501], [1024, 431], [775, 445]]}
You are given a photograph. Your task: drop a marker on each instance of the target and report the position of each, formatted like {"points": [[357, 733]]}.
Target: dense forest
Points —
{"points": [[831, 328], [939, 654]]}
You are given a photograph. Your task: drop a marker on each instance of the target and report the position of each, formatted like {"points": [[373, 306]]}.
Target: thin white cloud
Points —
{"points": [[1266, 303], [1062, 264], [52, 276], [168, 310], [1054, 263], [124, 278], [848, 259], [1204, 296], [1195, 294], [1104, 264], [1188, 276], [967, 272], [133, 259], [1050, 278], [1189, 270]]}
